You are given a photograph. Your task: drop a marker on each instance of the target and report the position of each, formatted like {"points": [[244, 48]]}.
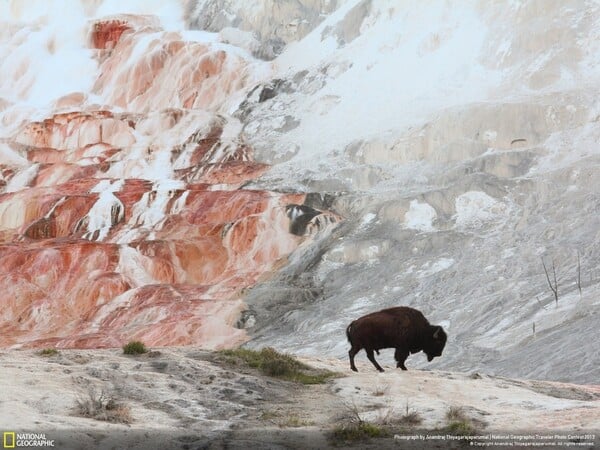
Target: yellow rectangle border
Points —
{"points": [[5, 440]]}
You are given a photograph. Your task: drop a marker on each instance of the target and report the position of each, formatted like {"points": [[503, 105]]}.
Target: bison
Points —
{"points": [[402, 328]]}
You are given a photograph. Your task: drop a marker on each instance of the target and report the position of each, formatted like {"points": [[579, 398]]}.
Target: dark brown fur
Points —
{"points": [[402, 328]]}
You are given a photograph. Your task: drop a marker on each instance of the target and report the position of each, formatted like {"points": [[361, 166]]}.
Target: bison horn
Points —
{"points": [[437, 332]]}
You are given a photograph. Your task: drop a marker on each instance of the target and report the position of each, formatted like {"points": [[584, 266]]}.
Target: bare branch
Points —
{"points": [[555, 282], [579, 274], [553, 288]]}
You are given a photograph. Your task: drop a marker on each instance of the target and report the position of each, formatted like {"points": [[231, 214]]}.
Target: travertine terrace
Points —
{"points": [[202, 172], [125, 219]]}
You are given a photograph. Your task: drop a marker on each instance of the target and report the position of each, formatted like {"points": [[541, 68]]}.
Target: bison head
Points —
{"points": [[434, 342]]}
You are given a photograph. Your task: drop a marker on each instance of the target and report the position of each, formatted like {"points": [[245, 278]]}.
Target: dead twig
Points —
{"points": [[579, 274], [553, 287]]}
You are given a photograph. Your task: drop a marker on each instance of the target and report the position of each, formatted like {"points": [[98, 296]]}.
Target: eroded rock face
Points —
{"points": [[458, 139], [270, 24], [128, 221]]}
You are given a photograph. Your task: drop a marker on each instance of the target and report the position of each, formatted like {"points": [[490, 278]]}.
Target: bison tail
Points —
{"points": [[348, 333]]}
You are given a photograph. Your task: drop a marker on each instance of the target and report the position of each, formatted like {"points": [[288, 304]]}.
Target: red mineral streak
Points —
{"points": [[19, 210], [63, 219], [60, 173], [61, 286], [50, 288], [46, 155], [170, 72], [68, 284], [77, 130], [6, 173], [166, 315], [233, 173], [70, 101], [205, 144], [94, 153], [106, 34], [95, 251]]}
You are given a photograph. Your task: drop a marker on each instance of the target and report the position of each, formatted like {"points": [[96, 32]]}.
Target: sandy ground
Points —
{"points": [[187, 398]]}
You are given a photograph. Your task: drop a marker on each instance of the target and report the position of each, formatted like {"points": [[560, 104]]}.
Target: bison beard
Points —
{"points": [[402, 328]]}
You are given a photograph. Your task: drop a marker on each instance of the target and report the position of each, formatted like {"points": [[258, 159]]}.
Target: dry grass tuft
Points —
{"points": [[458, 423], [102, 406]]}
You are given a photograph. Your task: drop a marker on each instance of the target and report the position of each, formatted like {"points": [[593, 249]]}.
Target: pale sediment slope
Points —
{"points": [[184, 396], [459, 142], [170, 184]]}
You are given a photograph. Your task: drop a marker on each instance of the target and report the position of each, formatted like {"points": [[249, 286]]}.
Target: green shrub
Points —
{"points": [[460, 428], [356, 431], [134, 348], [275, 364], [276, 368], [48, 352]]}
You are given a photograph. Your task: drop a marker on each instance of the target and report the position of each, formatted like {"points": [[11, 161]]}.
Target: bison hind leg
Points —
{"points": [[371, 357], [353, 351]]}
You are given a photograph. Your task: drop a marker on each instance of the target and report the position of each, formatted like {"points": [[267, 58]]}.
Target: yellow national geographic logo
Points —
{"points": [[8, 440]]}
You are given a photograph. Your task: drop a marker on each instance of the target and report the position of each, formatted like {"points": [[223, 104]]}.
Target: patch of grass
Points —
{"points": [[320, 378], [410, 419], [357, 431], [269, 360], [460, 428], [391, 419], [458, 422], [48, 352], [279, 365], [268, 415], [455, 413], [354, 428], [295, 422], [102, 407], [134, 348]]}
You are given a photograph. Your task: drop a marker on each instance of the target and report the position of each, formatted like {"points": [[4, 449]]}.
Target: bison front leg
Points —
{"points": [[371, 357], [400, 356], [353, 351]]}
